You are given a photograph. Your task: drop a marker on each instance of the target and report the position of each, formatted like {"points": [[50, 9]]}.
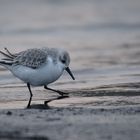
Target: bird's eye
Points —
{"points": [[63, 61]]}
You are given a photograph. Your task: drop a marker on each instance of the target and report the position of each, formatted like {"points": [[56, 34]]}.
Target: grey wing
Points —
{"points": [[32, 58]]}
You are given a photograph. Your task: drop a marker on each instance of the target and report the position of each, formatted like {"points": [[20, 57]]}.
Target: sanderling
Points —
{"points": [[37, 67]]}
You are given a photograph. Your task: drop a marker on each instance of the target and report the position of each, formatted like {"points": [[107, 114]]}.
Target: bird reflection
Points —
{"points": [[45, 105]]}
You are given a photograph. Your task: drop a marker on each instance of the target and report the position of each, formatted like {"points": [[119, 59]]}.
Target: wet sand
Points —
{"points": [[77, 123], [99, 113]]}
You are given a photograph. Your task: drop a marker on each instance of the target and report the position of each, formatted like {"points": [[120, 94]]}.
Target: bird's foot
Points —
{"points": [[63, 93], [28, 107], [58, 98]]}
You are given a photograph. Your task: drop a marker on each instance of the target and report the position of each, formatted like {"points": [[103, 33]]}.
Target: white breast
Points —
{"points": [[44, 75]]}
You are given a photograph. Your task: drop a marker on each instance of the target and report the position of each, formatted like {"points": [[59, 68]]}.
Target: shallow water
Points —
{"points": [[103, 38]]}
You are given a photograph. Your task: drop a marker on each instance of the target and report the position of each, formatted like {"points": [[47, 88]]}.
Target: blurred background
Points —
{"points": [[102, 36]]}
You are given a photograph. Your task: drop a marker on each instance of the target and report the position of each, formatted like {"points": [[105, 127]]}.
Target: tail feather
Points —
{"points": [[7, 59], [10, 54], [6, 55], [6, 63]]}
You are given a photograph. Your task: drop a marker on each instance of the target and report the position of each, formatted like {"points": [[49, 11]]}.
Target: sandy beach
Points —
{"points": [[75, 123], [110, 116], [103, 39]]}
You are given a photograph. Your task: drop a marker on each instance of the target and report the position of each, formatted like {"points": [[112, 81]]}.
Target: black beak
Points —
{"points": [[70, 73]]}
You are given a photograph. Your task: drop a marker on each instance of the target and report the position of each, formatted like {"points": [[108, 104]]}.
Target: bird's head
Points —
{"points": [[65, 60]]}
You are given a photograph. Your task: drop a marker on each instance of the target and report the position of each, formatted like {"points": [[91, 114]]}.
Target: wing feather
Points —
{"points": [[32, 58]]}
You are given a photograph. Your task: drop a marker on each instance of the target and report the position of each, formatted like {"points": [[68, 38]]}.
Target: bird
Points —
{"points": [[37, 66]]}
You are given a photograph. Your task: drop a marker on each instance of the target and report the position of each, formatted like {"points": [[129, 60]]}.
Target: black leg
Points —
{"points": [[28, 85], [59, 92]]}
